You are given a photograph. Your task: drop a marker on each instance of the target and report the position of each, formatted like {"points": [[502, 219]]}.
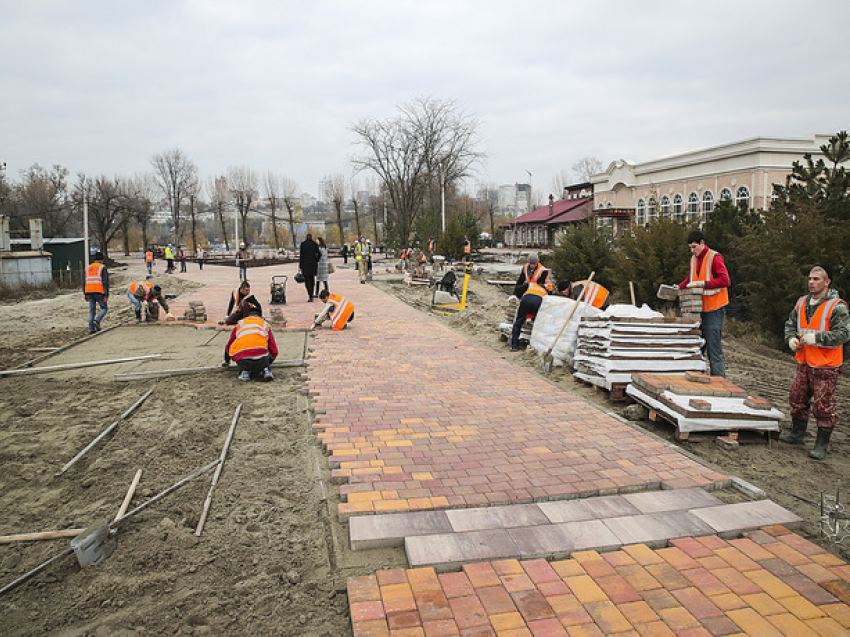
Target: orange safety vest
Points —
{"points": [[711, 299], [817, 355], [534, 288], [141, 284], [596, 295], [341, 312], [467, 247], [148, 257], [536, 276], [432, 245], [252, 333], [94, 279]]}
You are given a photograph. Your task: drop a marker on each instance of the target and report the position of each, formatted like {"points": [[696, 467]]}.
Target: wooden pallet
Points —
{"points": [[740, 436]]}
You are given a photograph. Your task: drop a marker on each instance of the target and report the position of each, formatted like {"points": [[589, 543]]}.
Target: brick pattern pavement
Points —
{"points": [[771, 582], [415, 416]]}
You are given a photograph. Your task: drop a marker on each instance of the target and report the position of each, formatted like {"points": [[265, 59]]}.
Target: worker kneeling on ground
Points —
{"points": [[596, 295], [144, 292], [531, 298], [337, 308], [251, 345]]}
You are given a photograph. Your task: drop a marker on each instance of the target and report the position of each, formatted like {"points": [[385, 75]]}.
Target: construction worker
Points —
{"points": [[403, 258], [181, 255], [144, 292], [149, 261], [816, 330], [96, 291], [708, 273], [432, 249], [169, 259], [337, 308], [362, 254], [235, 308], [533, 272], [467, 249], [252, 346], [531, 298], [596, 295]]}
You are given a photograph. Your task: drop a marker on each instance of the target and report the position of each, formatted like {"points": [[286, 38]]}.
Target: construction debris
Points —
{"points": [[277, 318]]}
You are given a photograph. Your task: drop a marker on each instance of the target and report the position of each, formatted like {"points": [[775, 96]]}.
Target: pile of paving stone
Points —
{"points": [[195, 313], [612, 348]]}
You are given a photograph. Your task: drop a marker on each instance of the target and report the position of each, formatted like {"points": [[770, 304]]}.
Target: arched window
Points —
{"points": [[610, 205], [678, 208], [742, 198], [693, 206], [640, 217], [707, 204], [665, 206], [651, 208], [725, 194]]}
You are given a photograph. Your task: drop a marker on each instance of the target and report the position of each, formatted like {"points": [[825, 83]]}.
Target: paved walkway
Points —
{"points": [[426, 428]]}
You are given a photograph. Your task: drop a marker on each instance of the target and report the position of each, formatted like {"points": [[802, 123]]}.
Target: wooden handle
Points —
{"points": [[572, 311]]}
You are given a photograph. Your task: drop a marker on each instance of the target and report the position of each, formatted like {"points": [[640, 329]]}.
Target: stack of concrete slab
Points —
{"points": [[196, 312], [611, 348], [696, 402], [507, 326]]}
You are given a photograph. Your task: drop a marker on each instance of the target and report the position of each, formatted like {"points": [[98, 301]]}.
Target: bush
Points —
{"points": [[580, 250]]}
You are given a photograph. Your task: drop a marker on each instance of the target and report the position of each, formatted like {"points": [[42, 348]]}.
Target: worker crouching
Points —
{"points": [[338, 309], [149, 294], [252, 346]]}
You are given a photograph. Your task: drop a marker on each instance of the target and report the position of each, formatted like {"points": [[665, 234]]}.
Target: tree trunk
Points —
{"points": [[274, 229], [125, 230], [194, 222], [223, 227]]}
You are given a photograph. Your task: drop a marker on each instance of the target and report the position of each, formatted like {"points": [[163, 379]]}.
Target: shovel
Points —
{"points": [[547, 360]]}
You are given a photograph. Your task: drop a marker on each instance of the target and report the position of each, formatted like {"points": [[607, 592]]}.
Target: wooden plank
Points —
{"points": [[43, 535], [208, 501], [55, 368], [157, 373]]}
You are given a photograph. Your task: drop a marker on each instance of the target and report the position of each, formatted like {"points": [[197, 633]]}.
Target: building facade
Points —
{"points": [[687, 186]]}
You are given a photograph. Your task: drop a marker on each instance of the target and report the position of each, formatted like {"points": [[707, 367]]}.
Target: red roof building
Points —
{"points": [[540, 227]]}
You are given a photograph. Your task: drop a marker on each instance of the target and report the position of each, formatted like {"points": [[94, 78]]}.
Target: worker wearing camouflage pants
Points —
{"points": [[816, 330]]}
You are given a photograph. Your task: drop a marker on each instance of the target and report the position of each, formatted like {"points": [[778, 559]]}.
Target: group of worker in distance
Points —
{"points": [[816, 330]]}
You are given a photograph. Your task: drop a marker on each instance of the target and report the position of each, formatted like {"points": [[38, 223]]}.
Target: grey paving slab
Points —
{"points": [[671, 500], [559, 540], [729, 520], [449, 551], [655, 529], [497, 517], [609, 506], [375, 531]]}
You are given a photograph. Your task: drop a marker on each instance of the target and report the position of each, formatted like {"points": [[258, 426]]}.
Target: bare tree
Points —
{"points": [[44, 193], [586, 167], [242, 182], [272, 189], [337, 191], [560, 181], [219, 199], [140, 196], [175, 173], [289, 189], [428, 140], [107, 203], [490, 201]]}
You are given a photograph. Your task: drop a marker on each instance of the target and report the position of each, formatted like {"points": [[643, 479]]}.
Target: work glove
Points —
{"points": [[794, 344], [696, 284], [809, 338]]}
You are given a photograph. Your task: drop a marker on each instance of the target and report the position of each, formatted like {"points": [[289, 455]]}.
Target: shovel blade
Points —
{"points": [[94, 545]]}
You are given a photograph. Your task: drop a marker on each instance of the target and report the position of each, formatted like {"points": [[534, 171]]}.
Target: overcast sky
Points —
{"points": [[101, 86]]}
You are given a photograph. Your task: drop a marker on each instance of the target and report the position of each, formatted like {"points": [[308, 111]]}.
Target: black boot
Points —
{"points": [[797, 433], [821, 444], [138, 316]]}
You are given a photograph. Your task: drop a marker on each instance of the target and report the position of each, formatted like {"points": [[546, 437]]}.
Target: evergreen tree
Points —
{"points": [[580, 250]]}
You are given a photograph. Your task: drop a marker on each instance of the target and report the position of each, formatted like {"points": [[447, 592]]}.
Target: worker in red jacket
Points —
{"points": [[252, 346]]}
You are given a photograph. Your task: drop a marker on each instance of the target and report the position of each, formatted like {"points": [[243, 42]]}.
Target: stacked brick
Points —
{"points": [[195, 313], [277, 318]]}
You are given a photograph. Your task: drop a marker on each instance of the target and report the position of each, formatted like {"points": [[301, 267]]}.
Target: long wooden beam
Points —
{"points": [[56, 368]]}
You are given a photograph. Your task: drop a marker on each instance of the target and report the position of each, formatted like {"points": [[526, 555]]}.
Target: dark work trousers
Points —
{"points": [[530, 304], [310, 284]]}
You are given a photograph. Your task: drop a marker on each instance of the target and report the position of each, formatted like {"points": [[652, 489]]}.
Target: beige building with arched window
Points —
{"points": [[689, 185]]}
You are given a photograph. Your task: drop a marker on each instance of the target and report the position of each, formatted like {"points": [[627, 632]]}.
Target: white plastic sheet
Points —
{"points": [[550, 319]]}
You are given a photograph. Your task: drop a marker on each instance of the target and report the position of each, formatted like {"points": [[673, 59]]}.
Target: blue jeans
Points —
{"points": [[95, 299], [243, 272], [712, 332], [137, 304]]}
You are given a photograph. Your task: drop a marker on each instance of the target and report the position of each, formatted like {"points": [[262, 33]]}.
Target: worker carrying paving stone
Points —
{"points": [[708, 273], [337, 308], [816, 329], [252, 346], [150, 294], [596, 296], [236, 307], [533, 272]]}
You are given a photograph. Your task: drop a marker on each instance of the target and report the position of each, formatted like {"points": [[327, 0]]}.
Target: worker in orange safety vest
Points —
{"points": [[252, 346], [596, 295], [143, 292], [529, 305], [337, 308], [96, 291], [533, 272], [816, 330], [149, 261]]}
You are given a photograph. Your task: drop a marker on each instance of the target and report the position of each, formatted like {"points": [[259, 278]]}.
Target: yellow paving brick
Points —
{"points": [[365, 496], [827, 627], [423, 579], [839, 612], [638, 612], [801, 607], [567, 568], [422, 475], [508, 567], [354, 508], [654, 629], [606, 615], [678, 619], [770, 584], [420, 504], [367, 398], [727, 601], [642, 554], [585, 589], [397, 598], [790, 625], [763, 604], [506, 621], [752, 623], [399, 443], [391, 470]]}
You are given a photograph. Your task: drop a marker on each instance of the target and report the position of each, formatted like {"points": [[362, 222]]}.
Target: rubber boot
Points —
{"points": [[138, 316], [797, 433], [821, 444]]}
